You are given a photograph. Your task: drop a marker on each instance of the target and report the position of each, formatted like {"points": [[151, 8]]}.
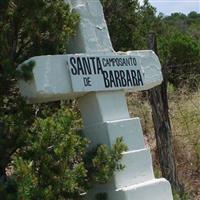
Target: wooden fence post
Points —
{"points": [[159, 103]]}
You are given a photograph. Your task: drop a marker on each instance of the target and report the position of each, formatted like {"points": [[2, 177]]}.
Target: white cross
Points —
{"points": [[99, 77]]}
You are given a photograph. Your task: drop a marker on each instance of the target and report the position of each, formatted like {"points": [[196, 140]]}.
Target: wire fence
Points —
{"points": [[183, 64], [184, 111]]}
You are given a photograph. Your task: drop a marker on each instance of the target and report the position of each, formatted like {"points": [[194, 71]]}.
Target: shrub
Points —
{"points": [[55, 164]]}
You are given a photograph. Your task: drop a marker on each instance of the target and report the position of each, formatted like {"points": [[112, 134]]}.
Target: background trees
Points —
{"points": [[28, 134], [31, 28], [179, 49], [182, 54], [28, 28], [129, 23]]}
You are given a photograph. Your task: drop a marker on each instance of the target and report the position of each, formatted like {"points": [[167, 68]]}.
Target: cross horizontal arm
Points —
{"points": [[53, 79]]}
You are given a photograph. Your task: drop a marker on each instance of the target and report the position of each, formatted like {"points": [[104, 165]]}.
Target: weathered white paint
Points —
{"points": [[140, 73], [92, 34], [97, 107], [100, 109], [155, 189], [98, 112], [130, 129], [138, 168], [107, 133], [50, 72], [105, 114]]}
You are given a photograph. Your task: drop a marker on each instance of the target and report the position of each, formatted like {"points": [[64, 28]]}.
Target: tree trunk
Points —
{"points": [[163, 133]]}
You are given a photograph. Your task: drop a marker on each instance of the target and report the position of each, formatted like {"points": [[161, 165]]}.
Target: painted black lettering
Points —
{"points": [[99, 66], [117, 61], [104, 62], [139, 76], [123, 79], [135, 61], [120, 62], [93, 64], [128, 78], [80, 67], [105, 78], [117, 79], [134, 78], [87, 81], [113, 62], [86, 65], [73, 64], [112, 79]]}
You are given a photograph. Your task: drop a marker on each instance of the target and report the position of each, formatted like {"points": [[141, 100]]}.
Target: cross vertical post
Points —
{"points": [[106, 117]]}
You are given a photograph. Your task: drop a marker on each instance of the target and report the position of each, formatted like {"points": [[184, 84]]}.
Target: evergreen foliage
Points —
{"points": [[182, 56], [129, 23], [41, 154], [54, 163], [28, 28]]}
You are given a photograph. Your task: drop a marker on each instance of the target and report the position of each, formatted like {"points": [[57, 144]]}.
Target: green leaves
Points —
{"points": [[103, 162], [26, 71], [28, 28], [51, 164], [129, 23], [54, 163], [31, 28], [182, 54]]}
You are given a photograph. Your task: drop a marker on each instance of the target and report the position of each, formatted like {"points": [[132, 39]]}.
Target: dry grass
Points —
{"points": [[185, 121]]}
